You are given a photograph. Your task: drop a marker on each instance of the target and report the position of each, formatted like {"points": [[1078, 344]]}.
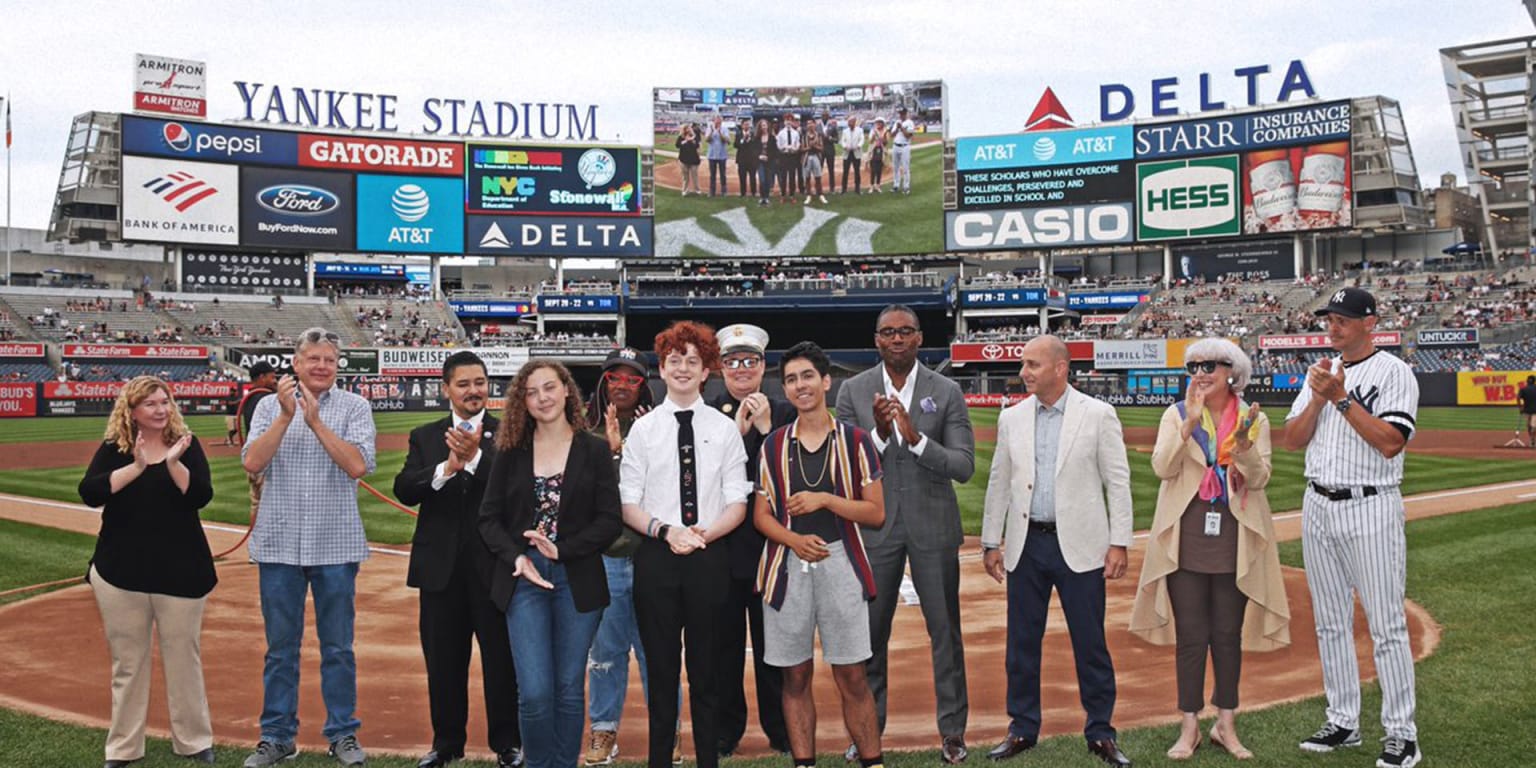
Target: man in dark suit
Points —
{"points": [[922, 429], [445, 472]]}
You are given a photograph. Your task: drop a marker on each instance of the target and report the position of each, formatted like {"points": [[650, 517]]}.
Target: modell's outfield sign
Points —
{"points": [[1310, 124], [361, 111], [1320, 340], [159, 352], [170, 86], [1038, 227], [1448, 337], [106, 390], [21, 350]]}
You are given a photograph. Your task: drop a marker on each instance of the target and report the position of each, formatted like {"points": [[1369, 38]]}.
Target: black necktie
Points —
{"points": [[687, 483]]}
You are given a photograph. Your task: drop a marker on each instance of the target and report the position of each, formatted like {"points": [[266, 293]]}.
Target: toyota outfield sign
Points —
{"points": [[1056, 227], [1198, 197]]}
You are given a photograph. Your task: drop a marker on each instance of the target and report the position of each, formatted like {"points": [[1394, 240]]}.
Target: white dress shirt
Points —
{"points": [[905, 396], [441, 475], [648, 476]]}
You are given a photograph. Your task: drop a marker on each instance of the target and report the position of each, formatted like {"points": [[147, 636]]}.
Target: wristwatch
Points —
{"points": [[1343, 404], [987, 548]]}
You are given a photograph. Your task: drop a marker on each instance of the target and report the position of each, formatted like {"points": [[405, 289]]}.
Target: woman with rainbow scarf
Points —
{"points": [[1210, 582]]}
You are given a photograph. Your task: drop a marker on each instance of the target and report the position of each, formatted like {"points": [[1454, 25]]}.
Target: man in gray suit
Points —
{"points": [[920, 424]]}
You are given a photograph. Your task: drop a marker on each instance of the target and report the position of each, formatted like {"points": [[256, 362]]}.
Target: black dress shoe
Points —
{"points": [[512, 758], [727, 748], [118, 763], [1108, 751], [206, 757], [436, 759], [953, 750], [1011, 747]]}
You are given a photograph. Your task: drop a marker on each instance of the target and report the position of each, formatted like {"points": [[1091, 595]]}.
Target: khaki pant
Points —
{"points": [[129, 618]]}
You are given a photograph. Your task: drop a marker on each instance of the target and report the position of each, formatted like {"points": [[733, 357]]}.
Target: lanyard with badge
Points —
{"points": [[1210, 447]]}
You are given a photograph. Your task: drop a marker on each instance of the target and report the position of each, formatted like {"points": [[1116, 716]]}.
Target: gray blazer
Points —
{"points": [[920, 506]]}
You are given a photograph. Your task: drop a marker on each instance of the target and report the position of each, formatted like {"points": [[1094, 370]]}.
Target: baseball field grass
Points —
{"points": [[1476, 694]]}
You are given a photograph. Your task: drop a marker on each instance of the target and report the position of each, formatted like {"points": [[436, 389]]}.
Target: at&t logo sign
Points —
{"points": [[412, 204]]}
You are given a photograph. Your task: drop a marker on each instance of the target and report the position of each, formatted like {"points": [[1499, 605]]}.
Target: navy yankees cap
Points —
{"points": [[1350, 302], [627, 357]]}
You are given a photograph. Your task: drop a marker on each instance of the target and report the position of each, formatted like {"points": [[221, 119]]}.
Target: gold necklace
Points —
{"points": [[800, 454]]}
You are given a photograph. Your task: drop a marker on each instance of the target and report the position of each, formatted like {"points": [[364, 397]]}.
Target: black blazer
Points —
{"points": [[447, 527], [589, 518]]}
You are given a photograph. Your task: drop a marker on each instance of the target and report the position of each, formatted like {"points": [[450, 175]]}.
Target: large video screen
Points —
{"points": [[735, 173]]}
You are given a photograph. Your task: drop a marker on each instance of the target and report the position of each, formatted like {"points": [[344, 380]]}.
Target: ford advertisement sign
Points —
{"points": [[291, 208]]}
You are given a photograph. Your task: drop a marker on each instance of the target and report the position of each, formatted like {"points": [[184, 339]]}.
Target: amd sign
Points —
{"points": [[1038, 227]]}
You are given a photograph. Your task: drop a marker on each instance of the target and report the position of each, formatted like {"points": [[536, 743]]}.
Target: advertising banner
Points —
{"points": [[354, 361], [398, 393], [907, 144], [413, 361], [21, 349], [555, 305], [571, 354], [1008, 352], [513, 309], [291, 208], [414, 214], [1248, 259], [1490, 387], [361, 153], [1320, 340], [1101, 223], [1100, 319], [581, 236], [212, 142], [106, 390], [1293, 126], [212, 270], [1298, 188], [18, 400], [1106, 300], [1064, 147], [1448, 337], [1018, 297], [170, 86], [176, 201], [136, 351], [553, 180], [1047, 186], [1138, 353], [1199, 197]]}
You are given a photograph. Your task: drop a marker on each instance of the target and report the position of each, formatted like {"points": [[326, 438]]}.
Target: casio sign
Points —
{"points": [[298, 200], [1039, 227]]}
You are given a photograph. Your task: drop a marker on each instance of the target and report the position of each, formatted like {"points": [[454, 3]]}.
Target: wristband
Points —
{"points": [[661, 533]]}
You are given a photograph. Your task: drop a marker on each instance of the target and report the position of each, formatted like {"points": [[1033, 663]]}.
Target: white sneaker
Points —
{"points": [[823, 199], [807, 199]]}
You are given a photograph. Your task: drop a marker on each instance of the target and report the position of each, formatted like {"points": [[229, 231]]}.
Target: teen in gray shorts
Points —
{"points": [[819, 481]]}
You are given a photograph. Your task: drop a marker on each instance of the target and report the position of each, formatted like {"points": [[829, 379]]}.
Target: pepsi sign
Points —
{"points": [[205, 141], [291, 208]]}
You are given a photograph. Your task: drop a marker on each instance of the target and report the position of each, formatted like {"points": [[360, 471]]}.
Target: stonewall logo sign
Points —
{"points": [[1198, 197]]}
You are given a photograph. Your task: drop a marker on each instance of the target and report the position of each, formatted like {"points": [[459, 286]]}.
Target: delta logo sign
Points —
{"points": [[1168, 98]]}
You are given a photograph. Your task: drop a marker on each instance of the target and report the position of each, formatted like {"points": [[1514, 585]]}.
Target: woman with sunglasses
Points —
{"points": [[551, 507], [1210, 582]]}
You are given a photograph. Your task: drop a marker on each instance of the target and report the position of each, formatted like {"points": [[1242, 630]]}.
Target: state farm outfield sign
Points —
{"points": [[1320, 340], [107, 390], [155, 351]]}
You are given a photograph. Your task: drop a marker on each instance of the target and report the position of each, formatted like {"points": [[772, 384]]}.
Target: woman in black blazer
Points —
{"points": [[551, 507]]}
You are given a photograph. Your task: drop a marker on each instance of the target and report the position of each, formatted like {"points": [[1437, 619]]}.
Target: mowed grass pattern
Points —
{"points": [[1476, 694]]}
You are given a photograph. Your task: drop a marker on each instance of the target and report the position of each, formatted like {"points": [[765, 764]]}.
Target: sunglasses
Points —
{"points": [[314, 336], [1205, 366], [905, 331], [623, 379], [742, 362]]}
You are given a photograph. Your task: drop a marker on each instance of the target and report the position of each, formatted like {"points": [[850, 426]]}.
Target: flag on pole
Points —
{"points": [[7, 123]]}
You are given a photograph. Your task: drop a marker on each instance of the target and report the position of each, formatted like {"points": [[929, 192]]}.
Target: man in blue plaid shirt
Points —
{"points": [[313, 442]]}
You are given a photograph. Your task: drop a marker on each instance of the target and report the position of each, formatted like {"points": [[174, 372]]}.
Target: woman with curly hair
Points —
{"points": [[152, 569], [551, 507]]}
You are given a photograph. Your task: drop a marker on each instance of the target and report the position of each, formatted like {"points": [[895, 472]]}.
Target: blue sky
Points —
{"points": [[58, 60]]}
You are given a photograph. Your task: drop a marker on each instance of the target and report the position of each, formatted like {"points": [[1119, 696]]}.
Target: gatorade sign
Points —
{"points": [[1198, 197]]}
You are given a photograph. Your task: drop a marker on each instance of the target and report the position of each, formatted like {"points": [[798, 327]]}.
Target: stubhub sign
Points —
{"points": [[410, 214]]}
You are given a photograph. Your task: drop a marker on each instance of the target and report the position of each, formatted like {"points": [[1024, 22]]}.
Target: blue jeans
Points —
{"points": [[550, 640], [282, 611], [608, 664]]}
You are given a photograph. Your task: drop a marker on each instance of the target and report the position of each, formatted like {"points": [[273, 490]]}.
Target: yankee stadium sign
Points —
{"points": [[329, 109]]}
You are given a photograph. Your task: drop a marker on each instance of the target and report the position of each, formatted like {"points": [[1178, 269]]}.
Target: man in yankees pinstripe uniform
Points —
{"points": [[1354, 419]]}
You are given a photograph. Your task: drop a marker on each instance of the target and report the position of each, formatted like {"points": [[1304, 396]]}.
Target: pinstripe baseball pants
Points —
{"points": [[1351, 547]]}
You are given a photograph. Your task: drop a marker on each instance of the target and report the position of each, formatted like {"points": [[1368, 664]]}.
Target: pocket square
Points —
{"points": [[928, 405]]}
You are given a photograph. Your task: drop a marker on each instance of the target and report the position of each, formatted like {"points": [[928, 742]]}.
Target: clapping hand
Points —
{"points": [[177, 449], [1244, 442], [140, 456], [684, 540], [611, 428], [1325, 383], [287, 391], [525, 570], [543, 544]]}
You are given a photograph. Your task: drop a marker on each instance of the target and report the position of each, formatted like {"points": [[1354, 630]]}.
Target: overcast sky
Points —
{"points": [[60, 59]]}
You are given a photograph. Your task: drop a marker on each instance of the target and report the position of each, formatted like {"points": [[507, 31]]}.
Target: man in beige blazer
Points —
{"points": [[1059, 455]]}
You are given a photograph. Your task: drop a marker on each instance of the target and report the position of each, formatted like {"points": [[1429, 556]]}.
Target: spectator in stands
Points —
{"points": [[1211, 582], [551, 507], [152, 570], [309, 536], [756, 414]]}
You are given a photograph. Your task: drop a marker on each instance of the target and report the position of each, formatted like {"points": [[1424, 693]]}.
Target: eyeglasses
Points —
{"points": [[1206, 366], [905, 332], [742, 362], [623, 379], [314, 335]]}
